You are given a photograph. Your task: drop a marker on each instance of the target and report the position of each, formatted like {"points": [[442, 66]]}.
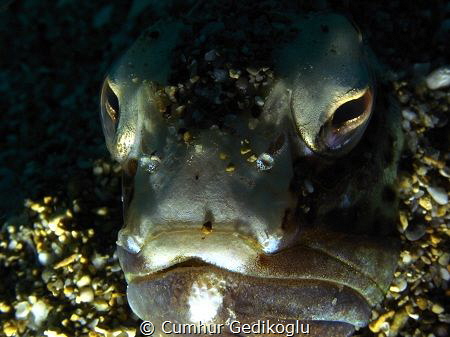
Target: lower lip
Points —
{"points": [[183, 295]]}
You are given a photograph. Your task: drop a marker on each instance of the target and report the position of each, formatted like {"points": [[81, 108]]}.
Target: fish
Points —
{"points": [[259, 157]]}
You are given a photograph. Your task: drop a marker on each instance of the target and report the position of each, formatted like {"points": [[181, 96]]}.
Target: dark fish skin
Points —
{"points": [[235, 210]]}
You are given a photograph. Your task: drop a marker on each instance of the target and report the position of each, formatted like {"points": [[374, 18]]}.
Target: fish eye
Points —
{"points": [[110, 111], [353, 109], [347, 122], [110, 102]]}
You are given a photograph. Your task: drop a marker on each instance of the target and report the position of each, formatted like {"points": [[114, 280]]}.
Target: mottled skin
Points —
{"points": [[305, 239]]}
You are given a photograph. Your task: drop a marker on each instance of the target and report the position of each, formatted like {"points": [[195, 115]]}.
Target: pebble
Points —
{"points": [[46, 275], [403, 221], [444, 318], [444, 259], [22, 309], [259, 101], [439, 78], [435, 239], [4, 307], [12, 245], [37, 207], [437, 308], [98, 170], [44, 258], [210, 56], [399, 320], [68, 291], [40, 311], [436, 163], [398, 286], [438, 194], [444, 274], [252, 158], [409, 115], [102, 211], [234, 73], [86, 295], [220, 75], [53, 333], [230, 168], [425, 202], [445, 172], [245, 149], [406, 257], [83, 281], [67, 261], [309, 186], [101, 305], [376, 325], [414, 233], [422, 303], [9, 329]]}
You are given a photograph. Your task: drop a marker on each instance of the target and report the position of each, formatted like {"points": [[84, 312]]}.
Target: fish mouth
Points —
{"points": [[194, 293], [323, 277]]}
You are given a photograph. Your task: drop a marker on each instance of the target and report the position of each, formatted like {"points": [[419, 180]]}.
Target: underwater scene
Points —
{"points": [[221, 167]]}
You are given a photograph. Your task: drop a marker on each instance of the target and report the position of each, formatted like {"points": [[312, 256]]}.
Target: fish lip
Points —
{"points": [[318, 300], [192, 229], [152, 258], [305, 261], [266, 241]]}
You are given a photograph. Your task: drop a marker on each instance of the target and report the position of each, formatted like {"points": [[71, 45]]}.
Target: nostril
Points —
{"points": [[207, 227]]}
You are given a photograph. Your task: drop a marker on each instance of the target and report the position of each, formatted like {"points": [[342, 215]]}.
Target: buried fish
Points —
{"points": [[258, 171]]}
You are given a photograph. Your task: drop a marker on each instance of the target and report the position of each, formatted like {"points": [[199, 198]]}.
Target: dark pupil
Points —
{"points": [[349, 110], [113, 102]]}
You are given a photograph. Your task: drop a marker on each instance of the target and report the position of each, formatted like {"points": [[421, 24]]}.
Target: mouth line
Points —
{"points": [[190, 263], [197, 263], [253, 244], [350, 261]]}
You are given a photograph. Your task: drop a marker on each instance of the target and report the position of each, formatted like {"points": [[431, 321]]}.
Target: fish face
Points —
{"points": [[264, 194]]}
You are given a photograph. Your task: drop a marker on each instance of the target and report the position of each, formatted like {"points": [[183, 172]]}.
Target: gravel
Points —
{"points": [[439, 78]]}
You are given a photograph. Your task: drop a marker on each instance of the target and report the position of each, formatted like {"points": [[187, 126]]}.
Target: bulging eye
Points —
{"points": [[347, 123], [110, 112]]}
